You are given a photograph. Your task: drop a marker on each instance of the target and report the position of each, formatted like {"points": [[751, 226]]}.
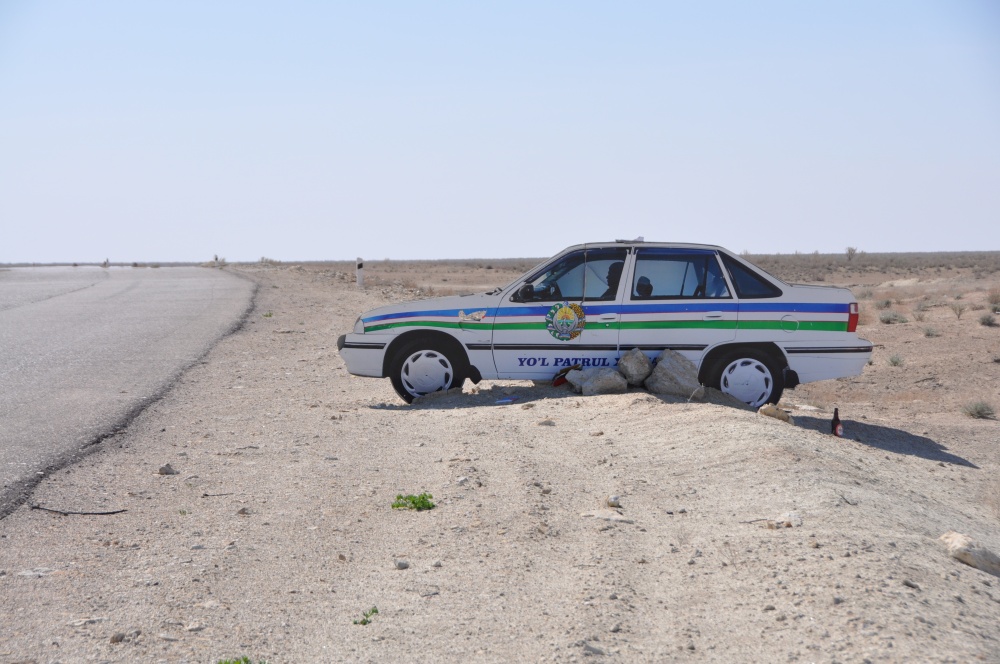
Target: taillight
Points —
{"points": [[852, 318]]}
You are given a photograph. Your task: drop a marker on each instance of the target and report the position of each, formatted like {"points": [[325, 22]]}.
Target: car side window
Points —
{"points": [[748, 284], [603, 274], [591, 275], [676, 274]]}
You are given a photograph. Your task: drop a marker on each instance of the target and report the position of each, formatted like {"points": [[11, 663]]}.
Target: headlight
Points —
{"points": [[359, 326]]}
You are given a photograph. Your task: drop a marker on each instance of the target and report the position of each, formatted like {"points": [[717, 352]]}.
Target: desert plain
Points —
{"points": [[739, 537]]}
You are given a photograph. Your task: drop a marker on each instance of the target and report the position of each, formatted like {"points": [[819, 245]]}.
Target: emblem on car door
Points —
{"points": [[565, 321]]}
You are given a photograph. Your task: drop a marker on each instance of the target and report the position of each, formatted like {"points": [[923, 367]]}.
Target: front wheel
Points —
{"points": [[420, 368], [750, 376]]}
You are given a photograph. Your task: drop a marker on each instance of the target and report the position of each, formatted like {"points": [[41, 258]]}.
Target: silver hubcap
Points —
{"points": [[748, 380], [426, 371]]}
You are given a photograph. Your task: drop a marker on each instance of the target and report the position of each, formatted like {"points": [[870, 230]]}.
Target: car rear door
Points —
{"points": [[677, 299]]}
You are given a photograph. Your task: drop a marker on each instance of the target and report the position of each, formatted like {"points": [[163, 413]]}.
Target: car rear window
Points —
{"points": [[749, 284]]}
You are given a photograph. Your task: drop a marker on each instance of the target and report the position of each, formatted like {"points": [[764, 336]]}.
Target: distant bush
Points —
{"points": [[979, 410], [930, 332], [883, 304], [865, 294], [988, 320], [895, 361], [959, 309], [892, 317], [919, 316], [993, 297]]}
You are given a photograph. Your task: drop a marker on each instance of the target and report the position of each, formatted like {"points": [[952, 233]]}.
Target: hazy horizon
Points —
{"points": [[176, 131]]}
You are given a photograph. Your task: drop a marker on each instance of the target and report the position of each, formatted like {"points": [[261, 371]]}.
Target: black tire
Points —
{"points": [[424, 366], [750, 375]]}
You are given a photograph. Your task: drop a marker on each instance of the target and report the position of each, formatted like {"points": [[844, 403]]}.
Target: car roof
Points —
{"points": [[643, 243]]}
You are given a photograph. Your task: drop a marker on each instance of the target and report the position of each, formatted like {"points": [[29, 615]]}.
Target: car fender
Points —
{"points": [[434, 336]]}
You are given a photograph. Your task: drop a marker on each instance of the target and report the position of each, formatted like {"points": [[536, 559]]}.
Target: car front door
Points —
{"points": [[677, 299], [562, 315]]}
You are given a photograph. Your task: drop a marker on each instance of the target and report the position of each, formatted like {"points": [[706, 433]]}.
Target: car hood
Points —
{"points": [[438, 307]]}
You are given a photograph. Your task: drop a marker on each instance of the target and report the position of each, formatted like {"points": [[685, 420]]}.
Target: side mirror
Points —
{"points": [[525, 293]]}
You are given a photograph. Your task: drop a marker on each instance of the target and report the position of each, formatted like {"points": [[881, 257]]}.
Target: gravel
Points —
{"points": [[291, 467]]}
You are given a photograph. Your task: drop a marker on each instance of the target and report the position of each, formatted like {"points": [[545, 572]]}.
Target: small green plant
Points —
{"points": [[895, 361], [366, 616], [892, 317], [959, 309], [268, 314], [411, 502], [930, 332], [883, 304], [988, 320], [979, 410]]}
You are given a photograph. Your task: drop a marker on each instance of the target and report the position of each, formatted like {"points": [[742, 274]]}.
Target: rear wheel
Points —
{"points": [[422, 367], [751, 376]]}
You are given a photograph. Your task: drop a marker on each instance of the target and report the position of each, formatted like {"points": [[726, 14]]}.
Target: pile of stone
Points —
{"points": [[673, 374]]}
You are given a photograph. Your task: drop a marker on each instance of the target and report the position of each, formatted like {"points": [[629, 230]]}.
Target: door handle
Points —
{"points": [[714, 315], [608, 317]]}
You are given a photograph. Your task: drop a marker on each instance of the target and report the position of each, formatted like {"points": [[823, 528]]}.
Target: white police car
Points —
{"points": [[750, 334]]}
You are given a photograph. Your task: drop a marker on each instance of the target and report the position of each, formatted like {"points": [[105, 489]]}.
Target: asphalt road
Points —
{"points": [[83, 350]]}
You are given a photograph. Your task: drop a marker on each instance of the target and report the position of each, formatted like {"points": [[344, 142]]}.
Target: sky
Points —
{"points": [[178, 130]]}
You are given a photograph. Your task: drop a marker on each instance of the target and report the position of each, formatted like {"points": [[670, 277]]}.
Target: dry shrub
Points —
{"points": [[979, 410], [892, 318], [993, 296]]}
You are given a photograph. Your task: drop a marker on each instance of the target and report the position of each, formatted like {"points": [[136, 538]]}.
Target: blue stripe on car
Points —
{"points": [[666, 308]]}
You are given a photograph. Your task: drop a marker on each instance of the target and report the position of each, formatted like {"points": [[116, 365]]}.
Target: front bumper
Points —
{"points": [[362, 356]]}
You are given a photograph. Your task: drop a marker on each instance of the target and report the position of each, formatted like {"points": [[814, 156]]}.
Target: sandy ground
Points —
{"points": [[277, 533]]}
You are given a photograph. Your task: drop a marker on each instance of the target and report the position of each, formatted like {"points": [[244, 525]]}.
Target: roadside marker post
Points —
{"points": [[361, 273]]}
